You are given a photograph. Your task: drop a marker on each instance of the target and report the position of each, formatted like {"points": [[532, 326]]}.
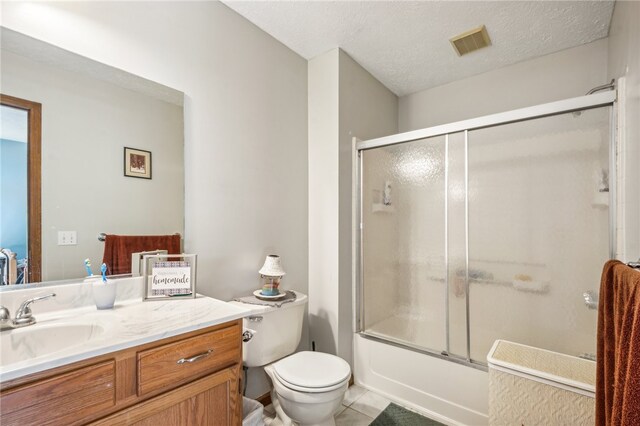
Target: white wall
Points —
{"points": [[86, 123], [344, 101], [624, 61], [553, 77], [245, 125]]}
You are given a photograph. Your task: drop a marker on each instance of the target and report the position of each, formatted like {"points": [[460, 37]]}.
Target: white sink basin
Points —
{"points": [[38, 340]]}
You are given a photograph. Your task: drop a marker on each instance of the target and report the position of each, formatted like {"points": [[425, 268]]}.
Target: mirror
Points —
{"points": [[91, 112]]}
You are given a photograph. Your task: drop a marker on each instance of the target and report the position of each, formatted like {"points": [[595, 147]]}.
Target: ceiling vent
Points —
{"points": [[471, 40]]}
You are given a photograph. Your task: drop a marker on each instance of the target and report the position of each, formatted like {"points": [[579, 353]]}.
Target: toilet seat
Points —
{"points": [[312, 372], [308, 389]]}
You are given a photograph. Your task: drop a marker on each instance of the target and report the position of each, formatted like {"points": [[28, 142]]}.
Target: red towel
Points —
{"points": [[118, 249], [618, 359]]}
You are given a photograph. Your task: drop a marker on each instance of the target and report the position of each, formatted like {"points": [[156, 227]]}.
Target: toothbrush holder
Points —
{"points": [[104, 293]]}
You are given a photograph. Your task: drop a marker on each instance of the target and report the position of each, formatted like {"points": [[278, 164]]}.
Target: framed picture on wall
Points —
{"points": [[137, 163]]}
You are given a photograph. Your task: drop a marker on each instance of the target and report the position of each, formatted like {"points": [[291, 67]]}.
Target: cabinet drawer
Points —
{"points": [[175, 363], [61, 400]]}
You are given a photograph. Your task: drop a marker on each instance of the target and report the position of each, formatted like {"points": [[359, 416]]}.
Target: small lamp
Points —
{"points": [[272, 273]]}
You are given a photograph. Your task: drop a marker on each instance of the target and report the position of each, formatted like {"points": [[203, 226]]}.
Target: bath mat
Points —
{"points": [[394, 415]]}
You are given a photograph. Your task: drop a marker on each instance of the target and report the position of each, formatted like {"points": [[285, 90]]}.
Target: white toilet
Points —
{"points": [[308, 387]]}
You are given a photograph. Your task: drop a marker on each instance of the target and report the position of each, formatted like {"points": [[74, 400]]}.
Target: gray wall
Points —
{"points": [[367, 110], [345, 101], [323, 200]]}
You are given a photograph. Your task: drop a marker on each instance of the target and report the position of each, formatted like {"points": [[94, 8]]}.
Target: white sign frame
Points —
{"points": [[160, 271]]}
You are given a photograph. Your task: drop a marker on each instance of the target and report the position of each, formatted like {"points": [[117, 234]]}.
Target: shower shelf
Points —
{"points": [[531, 286], [379, 207], [539, 287], [487, 281]]}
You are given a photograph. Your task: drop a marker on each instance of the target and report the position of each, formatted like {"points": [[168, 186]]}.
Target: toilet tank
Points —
{"points": [[276, 331]]}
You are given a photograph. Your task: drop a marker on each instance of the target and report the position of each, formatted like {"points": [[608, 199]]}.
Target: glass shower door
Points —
{"points": [[538, 230], [403, 243], [485, 233]]}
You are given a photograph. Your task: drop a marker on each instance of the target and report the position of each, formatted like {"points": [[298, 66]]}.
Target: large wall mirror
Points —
{"points": [[89, 113]]}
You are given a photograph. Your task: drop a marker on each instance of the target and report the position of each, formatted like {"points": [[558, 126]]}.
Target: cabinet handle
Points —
{"points": [[195, 357]]}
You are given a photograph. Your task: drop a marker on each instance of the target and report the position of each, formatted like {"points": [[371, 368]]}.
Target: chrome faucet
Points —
{"points": [[5, 319], [23, 317]]}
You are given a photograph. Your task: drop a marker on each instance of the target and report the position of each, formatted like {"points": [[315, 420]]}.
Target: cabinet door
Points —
{"points": [[63, 399], [212, 400]]}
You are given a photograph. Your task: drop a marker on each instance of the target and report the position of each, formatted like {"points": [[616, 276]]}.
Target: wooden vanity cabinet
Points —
{"points": [[190, 379]]}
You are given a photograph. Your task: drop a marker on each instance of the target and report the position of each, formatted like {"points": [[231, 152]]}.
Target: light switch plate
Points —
{"points": [[67, 238]]}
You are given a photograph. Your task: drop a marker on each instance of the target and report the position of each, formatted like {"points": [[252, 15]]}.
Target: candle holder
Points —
{"points": [[272, 274], [270, 286]]}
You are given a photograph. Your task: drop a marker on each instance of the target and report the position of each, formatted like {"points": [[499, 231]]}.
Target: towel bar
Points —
{"points": [[102, 236]]}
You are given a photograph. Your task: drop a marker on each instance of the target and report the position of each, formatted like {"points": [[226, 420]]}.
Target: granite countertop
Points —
{"points": [[131, 322]]}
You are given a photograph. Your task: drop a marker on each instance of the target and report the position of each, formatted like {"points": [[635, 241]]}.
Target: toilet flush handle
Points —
{"points": [[255, 318], [247, 334]]}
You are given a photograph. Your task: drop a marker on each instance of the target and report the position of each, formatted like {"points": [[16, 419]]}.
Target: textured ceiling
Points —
{"points": [[405, 44]]}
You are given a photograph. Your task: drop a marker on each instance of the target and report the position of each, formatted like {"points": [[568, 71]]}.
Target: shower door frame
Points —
{"points": [[596, 100]]}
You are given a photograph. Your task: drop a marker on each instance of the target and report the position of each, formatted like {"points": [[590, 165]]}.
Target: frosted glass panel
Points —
{"points": [[538, 231], [456, 246], [404, 292]]}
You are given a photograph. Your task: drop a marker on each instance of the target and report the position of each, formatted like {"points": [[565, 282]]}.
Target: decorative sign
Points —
{"points": [[169, 276]]}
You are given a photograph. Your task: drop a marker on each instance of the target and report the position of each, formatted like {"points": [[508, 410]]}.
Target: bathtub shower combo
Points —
{"points": [[490, 228]]}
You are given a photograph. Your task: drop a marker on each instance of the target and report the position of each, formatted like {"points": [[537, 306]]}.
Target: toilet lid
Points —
{"points": [[312, 370]]}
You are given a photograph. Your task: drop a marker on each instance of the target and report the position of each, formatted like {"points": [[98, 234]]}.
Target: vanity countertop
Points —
{"points": [[131, 322]]}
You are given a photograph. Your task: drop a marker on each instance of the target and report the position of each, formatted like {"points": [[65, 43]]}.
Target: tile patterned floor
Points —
{"points": [[359, 408]]}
